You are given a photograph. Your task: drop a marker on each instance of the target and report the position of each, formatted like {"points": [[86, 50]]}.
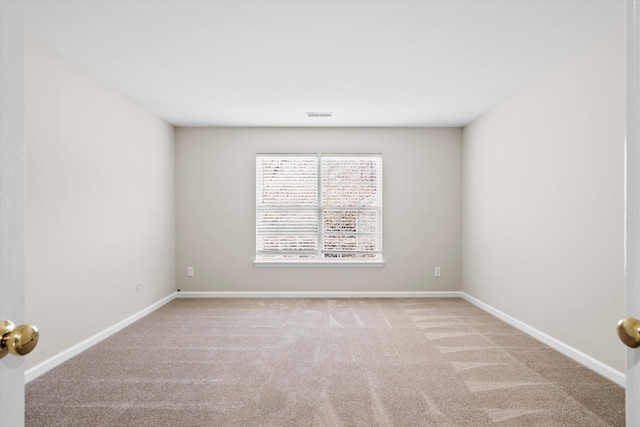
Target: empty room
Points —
{"points": [[318, 213]]}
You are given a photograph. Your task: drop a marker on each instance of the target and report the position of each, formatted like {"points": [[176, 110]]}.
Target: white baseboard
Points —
{"points": [[455, 294], [580, 357], [45, 366]]}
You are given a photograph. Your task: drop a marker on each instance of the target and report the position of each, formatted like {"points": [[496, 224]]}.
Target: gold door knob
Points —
{"points": [[17, 340], [629, 332]]}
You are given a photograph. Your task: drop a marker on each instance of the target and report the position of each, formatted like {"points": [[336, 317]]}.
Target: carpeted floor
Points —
{"points": [[322, 362]]}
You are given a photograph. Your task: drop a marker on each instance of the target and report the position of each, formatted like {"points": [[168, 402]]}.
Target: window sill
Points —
{"points": [[316, 263]]}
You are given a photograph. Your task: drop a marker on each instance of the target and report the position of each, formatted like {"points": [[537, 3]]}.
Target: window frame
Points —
{"points": [[318, 260]]}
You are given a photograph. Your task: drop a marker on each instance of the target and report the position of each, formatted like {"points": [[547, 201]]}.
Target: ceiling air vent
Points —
{"points": [[318, 114]]}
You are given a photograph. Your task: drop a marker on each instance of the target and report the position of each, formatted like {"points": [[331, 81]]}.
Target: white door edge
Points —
{"points": [[12, 273], [632, 207]]}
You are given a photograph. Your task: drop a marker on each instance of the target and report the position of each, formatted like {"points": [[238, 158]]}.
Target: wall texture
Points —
{"points": [[215, 187], [100, 200], [543, 203]]}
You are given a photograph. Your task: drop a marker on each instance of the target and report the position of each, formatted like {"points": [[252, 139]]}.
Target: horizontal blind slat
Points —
{"points": [[290, 222], [286, 181]]}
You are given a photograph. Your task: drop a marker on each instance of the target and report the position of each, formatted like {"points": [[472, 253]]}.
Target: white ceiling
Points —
{"points": [[370, 63]]}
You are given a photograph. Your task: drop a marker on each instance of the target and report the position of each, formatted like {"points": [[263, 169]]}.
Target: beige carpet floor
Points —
{"points": [[322, 362]]}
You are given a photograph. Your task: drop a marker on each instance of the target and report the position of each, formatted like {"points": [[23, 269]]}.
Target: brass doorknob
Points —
{"points": [[17, 340], [629, 332]]}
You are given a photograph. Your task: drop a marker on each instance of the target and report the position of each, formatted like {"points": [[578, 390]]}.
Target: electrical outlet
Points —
{"points": [[436, 271], [189, 271], [139, 286]]}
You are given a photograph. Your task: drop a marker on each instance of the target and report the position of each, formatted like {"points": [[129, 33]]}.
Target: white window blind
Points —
{"points": [[319, 207]]}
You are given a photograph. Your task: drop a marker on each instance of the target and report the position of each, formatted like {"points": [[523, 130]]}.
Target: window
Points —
{"points": [[319, 209]]}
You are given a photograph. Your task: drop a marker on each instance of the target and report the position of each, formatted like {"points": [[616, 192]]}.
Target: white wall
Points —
{"points": [[100, 209], [543, 203], [215, 187]]}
